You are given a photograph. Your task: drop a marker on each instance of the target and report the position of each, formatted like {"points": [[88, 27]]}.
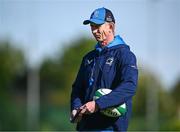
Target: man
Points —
{"points": [[110, 65]]}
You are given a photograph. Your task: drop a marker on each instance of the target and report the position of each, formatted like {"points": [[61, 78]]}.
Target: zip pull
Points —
{"points": [[91, 81]]}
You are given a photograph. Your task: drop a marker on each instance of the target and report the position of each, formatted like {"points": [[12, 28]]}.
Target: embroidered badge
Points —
{"points": [[89, 61], [96, 14], [109, 61]]}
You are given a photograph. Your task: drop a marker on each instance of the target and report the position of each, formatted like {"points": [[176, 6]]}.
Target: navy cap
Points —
{"points": [[100, 16]]}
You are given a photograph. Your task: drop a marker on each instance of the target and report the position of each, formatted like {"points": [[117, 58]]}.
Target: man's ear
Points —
{"points": [[112, 26]]}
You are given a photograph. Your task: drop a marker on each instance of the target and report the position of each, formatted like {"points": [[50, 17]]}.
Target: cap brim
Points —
{"points": [[95, 21]]}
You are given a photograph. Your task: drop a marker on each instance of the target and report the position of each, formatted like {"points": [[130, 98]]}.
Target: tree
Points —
{"points": [[166, 109], [140, 99], [57, 76], [12, 64], [175, 92]]}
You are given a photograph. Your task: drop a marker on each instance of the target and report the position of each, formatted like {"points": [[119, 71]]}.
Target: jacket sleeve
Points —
{"points": [[128, 76], [78, 88]]}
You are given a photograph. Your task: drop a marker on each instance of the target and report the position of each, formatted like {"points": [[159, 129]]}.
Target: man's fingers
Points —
{"points": [[83, 110], [88, 108], [82, 107]]}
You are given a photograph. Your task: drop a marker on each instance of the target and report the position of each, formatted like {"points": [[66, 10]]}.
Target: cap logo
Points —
{"points": [[96, 14], [109, 61], [109, 19]]}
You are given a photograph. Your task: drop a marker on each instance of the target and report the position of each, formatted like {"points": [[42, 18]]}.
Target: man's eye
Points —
{"points": [[95, 26]]}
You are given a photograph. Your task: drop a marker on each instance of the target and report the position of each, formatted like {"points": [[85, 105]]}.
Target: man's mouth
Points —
{"points": [[97, 35]]}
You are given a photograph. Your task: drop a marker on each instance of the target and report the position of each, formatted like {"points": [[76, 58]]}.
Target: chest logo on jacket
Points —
{"points": [[89, 61], [109, 61]]}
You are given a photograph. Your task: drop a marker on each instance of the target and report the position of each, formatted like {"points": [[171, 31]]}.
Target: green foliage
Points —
{"points": [[58, 74], [11, 65], [11, 61], [139, 102], [175, 92], [71, 60], [166, 105]]}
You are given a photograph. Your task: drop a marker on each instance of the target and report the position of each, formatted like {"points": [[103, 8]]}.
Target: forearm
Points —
{"points": [[118, 96]]}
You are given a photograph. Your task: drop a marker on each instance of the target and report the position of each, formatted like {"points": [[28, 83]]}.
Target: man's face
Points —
{"points": [[100, 32]]}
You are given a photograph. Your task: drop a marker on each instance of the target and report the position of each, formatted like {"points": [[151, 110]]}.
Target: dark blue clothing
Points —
{"points": [[114, 67]]}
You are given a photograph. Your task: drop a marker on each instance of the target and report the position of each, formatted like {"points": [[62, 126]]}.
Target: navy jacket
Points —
{"points": [[112, 67]]}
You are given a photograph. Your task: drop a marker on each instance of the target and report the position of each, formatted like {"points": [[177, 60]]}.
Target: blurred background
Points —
{"points": [[42, 43]]}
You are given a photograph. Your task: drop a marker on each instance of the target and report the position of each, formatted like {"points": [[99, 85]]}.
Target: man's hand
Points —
{"points": [[89, 108]]}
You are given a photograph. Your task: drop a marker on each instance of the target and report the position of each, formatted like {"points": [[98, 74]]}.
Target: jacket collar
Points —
{"points": [[117, 41]]}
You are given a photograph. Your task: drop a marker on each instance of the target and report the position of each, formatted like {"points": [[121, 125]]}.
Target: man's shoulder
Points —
{"points": [[90, 54], [124, 48], [121, 49], [124, 52]]}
